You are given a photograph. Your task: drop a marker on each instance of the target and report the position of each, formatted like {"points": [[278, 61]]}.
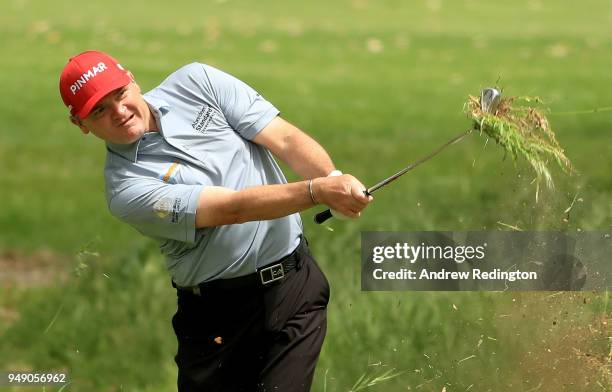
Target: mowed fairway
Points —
{"points": [[379, 84]]}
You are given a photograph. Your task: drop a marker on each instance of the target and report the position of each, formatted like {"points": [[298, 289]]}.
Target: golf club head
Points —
{"points": [[489, 99]]}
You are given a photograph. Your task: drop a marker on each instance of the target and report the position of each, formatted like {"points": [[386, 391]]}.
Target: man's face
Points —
{"points": [[121, 117]]}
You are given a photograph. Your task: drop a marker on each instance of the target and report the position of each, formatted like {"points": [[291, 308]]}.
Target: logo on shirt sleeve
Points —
{"points": [[166, 206], [163, 207]]}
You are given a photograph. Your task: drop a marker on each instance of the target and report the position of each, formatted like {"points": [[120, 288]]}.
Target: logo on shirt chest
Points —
{"points": [[203, 118], [170, 172]]}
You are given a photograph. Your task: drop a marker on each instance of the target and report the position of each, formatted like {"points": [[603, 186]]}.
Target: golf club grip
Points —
{"points": [[322, 216]]}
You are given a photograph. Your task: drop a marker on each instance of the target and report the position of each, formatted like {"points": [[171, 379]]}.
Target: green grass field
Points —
{"points": [[379, 84]]}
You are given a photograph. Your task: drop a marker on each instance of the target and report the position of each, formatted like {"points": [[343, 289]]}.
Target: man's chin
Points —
{"points": [[128, 139], [134, 133]]}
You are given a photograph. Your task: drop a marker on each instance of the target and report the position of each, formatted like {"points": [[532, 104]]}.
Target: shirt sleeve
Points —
{"points": [[157, 209], [245, 110]]}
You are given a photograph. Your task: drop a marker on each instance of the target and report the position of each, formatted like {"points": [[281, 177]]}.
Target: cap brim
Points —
{"points": [[122, 81]]}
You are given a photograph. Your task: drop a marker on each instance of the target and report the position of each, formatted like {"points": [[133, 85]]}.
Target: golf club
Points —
{"points": [[489, 100]]}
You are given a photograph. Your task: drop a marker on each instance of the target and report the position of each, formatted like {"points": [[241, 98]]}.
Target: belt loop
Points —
{"points": [[299, 260], [300, 251]]}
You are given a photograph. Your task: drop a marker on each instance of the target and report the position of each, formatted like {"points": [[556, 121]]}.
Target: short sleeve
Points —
{"points": [[245, 110], [157, 209]]}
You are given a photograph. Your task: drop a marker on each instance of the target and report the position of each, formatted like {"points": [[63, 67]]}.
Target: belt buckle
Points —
{"points": [[275, 272]]}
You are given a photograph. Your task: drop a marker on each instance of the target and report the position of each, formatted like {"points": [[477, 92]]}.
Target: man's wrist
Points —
{"points": [[311, 192]]}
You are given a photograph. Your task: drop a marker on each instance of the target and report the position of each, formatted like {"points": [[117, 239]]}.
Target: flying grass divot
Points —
{"points": [[522, 130]]}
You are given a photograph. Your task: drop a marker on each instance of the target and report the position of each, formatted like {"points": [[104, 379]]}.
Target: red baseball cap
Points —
{"points": [[87, 78]]}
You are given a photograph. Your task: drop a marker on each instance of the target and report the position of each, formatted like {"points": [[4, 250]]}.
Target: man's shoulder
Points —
{"points": [[190, 73], [196, 73], [113, 169], [188, 82], [121, 172], [115, 166]]}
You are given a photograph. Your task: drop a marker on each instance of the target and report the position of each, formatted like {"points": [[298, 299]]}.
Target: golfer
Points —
{"points": [[191, 165]]}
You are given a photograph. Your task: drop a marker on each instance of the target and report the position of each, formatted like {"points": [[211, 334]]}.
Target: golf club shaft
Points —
{"points": [[325, 215], [414, 164]]}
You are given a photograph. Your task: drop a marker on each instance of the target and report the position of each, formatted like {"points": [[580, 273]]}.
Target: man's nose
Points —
{"points": [[118, 109]]}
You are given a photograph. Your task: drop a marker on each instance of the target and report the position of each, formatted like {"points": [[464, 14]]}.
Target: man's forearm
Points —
{"points": [[306, 156], [221, 206]]}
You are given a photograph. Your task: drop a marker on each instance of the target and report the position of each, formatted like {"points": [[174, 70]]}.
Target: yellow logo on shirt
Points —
{"points": [[170, 171]]}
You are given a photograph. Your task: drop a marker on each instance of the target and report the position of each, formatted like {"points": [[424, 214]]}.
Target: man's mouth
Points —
{"points": [[127, 120]]}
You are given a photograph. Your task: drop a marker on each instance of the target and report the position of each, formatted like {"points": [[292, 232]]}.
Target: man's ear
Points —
{"points": [[79, 123]]}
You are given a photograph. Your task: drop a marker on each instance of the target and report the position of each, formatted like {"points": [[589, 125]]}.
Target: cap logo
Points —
{"points": [[91, 73]]}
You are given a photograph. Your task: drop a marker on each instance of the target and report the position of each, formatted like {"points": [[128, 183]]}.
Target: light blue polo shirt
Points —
{"points": [[206, 120]]}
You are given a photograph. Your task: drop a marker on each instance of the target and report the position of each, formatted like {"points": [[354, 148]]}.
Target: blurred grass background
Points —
{"points": [[379, 84]]}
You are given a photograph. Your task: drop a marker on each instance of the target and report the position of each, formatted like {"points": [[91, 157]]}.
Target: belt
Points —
{"points": [[264, 276]]}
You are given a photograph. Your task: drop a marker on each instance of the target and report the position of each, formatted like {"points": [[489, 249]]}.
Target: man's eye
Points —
{"points": [[97, 112]]}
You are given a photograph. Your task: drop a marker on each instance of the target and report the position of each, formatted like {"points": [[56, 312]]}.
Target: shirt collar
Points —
{"points": [[159, 108]]}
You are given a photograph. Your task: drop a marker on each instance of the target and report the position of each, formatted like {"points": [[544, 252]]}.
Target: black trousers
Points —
{"points": [[263, 338]]}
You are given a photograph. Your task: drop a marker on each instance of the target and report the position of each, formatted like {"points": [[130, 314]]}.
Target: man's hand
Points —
{"points": [[344, 194]]}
